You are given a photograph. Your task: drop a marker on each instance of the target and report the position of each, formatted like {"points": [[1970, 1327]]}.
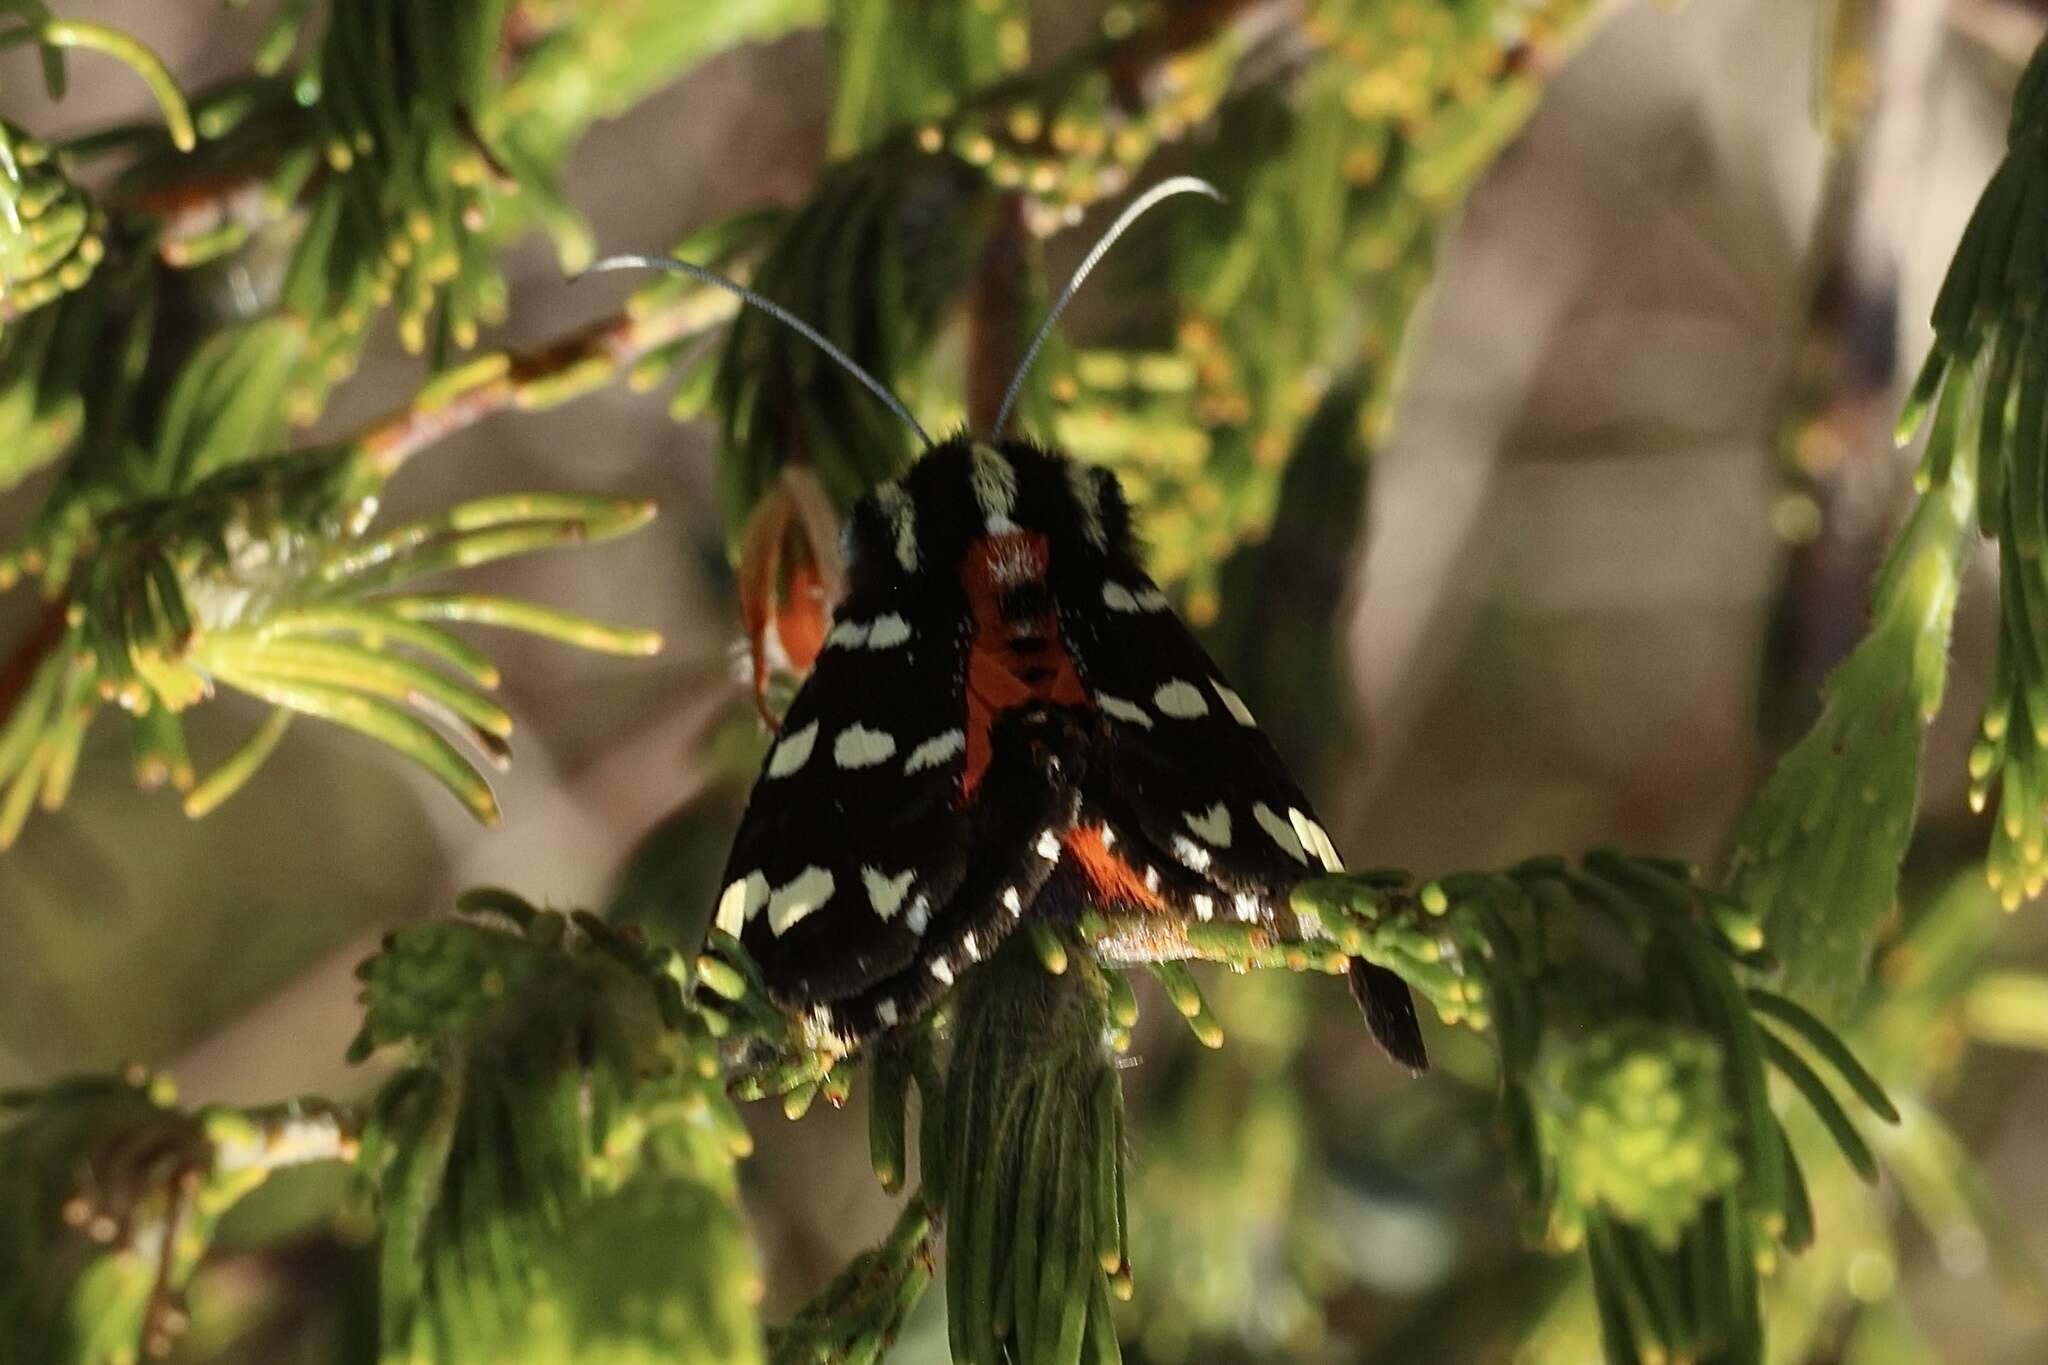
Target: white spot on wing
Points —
{"points": [[1116, 708], [942, 971], [1212, 826], [1247, 906], [935, 751], [886, 893], [1191, 853], [1315, 839], [1088, 503], [896, 508], [1205, 908], [1151, 599], [972, 947], [1233, 703], [732, 908], [810, 889], [919, 916], [1117, 597], [860, 747], [1012, 901], [886, 1013], [847, 635], [1181, 700], [888, 631], [793, 751], [741, 902], [1282, 832], [1048, 845]]}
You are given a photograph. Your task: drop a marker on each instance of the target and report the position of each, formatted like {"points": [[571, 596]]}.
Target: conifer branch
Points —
{"points": [[588, 359]]}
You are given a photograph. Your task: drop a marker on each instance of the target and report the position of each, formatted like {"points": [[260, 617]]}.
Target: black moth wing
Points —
{"points": [[1184, 766], [849, 846], [859, 882], [1027, 795], [1193, 788]]}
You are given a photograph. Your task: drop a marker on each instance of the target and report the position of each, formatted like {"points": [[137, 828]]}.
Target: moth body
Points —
{"points": [[1007, 719]]}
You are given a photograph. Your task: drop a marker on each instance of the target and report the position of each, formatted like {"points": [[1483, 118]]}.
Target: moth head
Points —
{"points": [[968, 497], [1081, 506]]}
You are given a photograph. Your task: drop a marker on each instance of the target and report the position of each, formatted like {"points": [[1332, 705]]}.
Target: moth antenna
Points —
{"points": [[773, 310], [1165, 189]]}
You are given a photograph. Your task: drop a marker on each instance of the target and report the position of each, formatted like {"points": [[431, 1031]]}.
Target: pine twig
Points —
{"points": [[586, 360]]}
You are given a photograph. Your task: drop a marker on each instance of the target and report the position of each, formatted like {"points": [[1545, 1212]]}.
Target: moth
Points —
{"points": [[1007, 720]]}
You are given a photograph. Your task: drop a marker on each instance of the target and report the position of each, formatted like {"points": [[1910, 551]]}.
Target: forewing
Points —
{"points": [[860, 881], [1184, 766], [1026, 797], [1200, 807], [851, 843]]}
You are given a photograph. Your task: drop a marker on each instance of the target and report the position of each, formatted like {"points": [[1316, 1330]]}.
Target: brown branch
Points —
{"points": [[583, 362], [995, 313]]}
